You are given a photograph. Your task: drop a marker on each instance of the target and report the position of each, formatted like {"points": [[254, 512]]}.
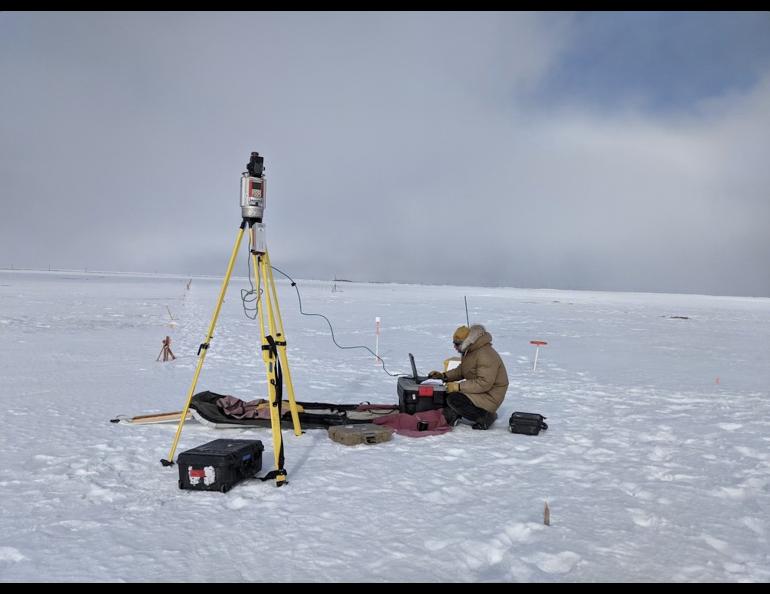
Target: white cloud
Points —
{"points": [[399, 146]]}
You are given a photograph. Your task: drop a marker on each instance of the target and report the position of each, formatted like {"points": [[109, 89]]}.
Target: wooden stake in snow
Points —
{"points": [[538, 344], [377, 339], [172, 321], [165, 350], [547, 515]]}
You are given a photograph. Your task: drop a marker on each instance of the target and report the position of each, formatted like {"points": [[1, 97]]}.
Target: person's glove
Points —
{"points": [[452, 387], [437, 375]]}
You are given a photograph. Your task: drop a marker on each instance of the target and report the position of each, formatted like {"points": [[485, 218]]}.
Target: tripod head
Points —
{"points": [[253, 190]]}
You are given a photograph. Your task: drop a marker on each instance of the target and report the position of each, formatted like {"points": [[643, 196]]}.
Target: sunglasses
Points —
{"points": [[457, 342]]}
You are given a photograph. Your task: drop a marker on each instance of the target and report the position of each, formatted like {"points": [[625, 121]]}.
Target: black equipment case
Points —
{"points": [[527, 423], [219, 464], [414, 397]]}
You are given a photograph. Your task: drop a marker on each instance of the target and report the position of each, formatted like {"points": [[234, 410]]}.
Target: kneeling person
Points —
{"points": [[475, 388]]}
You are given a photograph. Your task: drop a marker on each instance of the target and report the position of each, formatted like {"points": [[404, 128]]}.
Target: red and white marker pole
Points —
{"points": [[538, 344], [377, 338]]}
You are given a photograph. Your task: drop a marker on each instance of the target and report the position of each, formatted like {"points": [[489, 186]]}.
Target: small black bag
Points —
{"points": [[527, 423]]}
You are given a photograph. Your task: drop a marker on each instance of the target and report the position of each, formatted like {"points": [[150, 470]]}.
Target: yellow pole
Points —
{"points": [[204, 347], [281, 339]]}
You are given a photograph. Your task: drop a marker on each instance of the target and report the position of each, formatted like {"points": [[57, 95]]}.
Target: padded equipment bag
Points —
{"points": [[527, 423]]}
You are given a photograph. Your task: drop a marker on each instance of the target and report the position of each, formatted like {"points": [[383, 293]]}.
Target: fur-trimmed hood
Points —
{"points": [[477, 337]]}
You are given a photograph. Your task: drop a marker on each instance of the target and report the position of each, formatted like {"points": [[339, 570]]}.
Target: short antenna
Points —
{"points": [[468, 322]]}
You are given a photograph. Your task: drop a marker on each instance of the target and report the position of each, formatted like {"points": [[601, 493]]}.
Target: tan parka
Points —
{"points": [[485, 380]]}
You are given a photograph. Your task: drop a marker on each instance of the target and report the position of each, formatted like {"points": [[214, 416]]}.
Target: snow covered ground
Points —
{"points": [[656, 465]]}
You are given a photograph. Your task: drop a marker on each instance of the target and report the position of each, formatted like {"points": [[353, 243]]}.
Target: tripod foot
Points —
{"points": [[278, 475]]}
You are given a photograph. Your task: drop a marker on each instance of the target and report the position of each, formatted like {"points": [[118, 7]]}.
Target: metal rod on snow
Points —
{"points": [[538, 344]]}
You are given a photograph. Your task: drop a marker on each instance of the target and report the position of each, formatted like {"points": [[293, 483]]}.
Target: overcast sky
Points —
{"points": [[608, 151]]}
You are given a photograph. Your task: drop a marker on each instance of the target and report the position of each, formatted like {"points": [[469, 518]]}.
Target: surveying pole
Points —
{"points": [[273, 342]]}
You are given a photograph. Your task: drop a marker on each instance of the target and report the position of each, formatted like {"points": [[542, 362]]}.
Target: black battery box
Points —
{"points": [[219, 464], [414, 397], [527, 423]]}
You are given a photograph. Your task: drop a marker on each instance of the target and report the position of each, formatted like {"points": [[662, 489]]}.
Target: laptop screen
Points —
{"points": [[414, 367]]}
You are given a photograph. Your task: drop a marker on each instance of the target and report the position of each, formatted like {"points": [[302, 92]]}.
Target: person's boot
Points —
{"points": [[485, 422], [451, 416]]}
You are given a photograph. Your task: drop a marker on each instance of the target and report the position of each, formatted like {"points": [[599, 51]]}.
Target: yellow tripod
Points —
{"points": [[273, 348]]}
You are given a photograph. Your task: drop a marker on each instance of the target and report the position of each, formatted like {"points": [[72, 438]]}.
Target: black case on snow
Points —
{"points": [[526, 423], [219, 464], [414, 397]]}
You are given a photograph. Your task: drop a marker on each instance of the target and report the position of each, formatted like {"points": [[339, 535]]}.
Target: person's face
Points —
{"points": [[457, 344]]}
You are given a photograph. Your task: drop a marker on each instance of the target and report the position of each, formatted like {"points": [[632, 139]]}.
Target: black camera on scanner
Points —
{"points": [[253, 190]]}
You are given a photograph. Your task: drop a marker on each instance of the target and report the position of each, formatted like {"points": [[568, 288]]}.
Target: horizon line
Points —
{"points": [[212, 276]]}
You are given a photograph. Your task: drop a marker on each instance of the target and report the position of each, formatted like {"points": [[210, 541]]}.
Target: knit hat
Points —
{"points": [[461, 334]]}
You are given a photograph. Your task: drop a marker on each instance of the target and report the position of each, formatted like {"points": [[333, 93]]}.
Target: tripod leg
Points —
{"points": [[203, 349], [269, 357], [281, 341]]}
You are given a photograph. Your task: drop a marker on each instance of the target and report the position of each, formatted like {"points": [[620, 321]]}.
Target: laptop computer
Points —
{"points": [[416, 377]]}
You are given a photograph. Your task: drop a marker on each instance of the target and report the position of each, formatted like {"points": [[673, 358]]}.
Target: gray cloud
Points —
{"points": [[399, 147]]}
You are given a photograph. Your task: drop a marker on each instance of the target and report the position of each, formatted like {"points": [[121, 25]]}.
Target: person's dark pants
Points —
{"points": [[459, 404]]}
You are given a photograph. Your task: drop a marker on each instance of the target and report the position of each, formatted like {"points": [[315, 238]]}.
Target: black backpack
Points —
{"points": [[527, 423]]}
